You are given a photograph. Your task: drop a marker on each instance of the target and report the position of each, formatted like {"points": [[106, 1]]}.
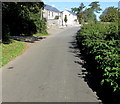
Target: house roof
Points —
{"points": [[71, 12], [51, 8]]}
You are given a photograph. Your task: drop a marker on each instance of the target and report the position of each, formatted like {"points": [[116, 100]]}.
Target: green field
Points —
{"points": [[10, 51]]}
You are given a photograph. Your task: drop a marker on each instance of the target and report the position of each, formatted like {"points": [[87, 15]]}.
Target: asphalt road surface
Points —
{"points": [[47, 72]]}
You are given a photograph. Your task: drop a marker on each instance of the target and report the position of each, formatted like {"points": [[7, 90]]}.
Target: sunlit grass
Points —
{"points": [[40, 34], [10, 51]]}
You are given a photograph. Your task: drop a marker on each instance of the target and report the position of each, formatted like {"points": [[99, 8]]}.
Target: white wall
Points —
{"points": [[70, 18], [52, 23], [50, 14]]}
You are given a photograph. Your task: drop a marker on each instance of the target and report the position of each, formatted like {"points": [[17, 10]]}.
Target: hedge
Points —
{"points": [[102, 42]]}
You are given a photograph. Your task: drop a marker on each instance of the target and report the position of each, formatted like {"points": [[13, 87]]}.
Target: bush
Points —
{"points": [[43, 26], [109, 15], [56, 17], [101, 40], [22, 18]]}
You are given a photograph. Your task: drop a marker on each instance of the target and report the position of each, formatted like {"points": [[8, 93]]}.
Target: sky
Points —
{"points": [[67, 4]]}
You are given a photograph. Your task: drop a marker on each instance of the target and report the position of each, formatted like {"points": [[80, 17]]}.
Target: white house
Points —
{"points": [[71, 18], [56, 18], [53, 16], [50, 12]]}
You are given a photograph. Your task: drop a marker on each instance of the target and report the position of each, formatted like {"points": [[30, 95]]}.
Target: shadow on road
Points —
{"points": [[30, 39], [91, 75]]}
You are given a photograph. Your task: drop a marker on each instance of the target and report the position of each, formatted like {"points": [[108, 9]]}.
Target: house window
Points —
{"points": [[49, 13], [52, 14]]}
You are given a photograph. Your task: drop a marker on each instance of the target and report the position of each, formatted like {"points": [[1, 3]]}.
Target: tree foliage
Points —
{"points": [[88, 14], [21, 18], [109, 15], [79, 12], [95, 6], [102, 42], [65, 19], [79, 9]]}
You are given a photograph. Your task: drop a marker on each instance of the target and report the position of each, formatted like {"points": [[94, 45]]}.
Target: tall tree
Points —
{"points": [[89, 13], [79, 11], [95, 6], [110, 15]]}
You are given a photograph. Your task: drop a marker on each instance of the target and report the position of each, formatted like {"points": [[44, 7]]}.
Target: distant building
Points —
{"points": [[51, 12], [53, 16], [56, 18], [71, 18]]}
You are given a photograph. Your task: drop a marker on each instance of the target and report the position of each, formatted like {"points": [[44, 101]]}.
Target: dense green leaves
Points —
{"points": [[102, 41], [21, 18], [95, 6], [79, 9], [109, 15], [65, 19], [87, 15], [79, 12]]}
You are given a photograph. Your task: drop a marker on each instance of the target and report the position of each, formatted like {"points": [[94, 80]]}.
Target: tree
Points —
{"points": [[78, 11], [75, 10], [119, 19], [65, 19], [110, 14], [20, 18], [88, 15], [95, 6]]}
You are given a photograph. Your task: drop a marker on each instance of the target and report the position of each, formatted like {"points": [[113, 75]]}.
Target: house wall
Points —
{"points": [[51, 21], [50, 14], [70, 18]]}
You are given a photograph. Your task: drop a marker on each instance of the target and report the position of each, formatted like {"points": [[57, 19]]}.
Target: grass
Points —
{"points": [[40, 34], [10, 51]]}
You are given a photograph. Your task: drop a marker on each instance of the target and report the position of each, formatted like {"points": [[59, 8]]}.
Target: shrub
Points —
{"points": [[22, 18], [56, 17], [109, 15], [101, 40]]}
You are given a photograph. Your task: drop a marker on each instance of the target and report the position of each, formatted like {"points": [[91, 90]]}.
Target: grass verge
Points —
{"points": [[40, 34], [10, 51]]}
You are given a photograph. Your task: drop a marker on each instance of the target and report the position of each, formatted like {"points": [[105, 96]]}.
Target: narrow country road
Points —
{"points": [[47, 72]]}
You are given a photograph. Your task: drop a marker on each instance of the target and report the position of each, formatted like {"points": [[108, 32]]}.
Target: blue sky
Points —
{"points": [[62, 5]]}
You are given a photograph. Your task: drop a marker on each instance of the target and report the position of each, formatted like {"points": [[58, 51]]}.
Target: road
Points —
{"points": [[47, 72]]}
